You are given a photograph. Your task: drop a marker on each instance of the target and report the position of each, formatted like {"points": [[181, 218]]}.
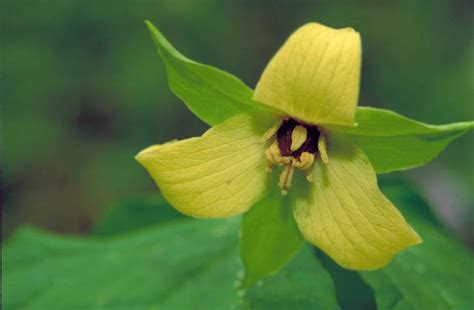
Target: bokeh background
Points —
{"points": [[83, 90]]}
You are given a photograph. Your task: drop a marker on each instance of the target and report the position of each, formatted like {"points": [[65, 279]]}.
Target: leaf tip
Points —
{"points": [[150, 25]]}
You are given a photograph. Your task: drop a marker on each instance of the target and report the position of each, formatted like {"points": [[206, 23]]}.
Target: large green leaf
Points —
{"points": [[135, 213], [157, 268], [434, 275], [180, 265], [269, 237], [394, 142], [211, 94]]}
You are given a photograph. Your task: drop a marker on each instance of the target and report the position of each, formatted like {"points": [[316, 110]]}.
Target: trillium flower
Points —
{"points": [[301, 126]]}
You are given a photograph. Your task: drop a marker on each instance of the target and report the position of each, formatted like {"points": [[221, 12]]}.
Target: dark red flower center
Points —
{"points": [[284, 138]]}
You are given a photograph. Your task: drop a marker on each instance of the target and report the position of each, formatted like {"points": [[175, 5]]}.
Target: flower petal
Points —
{"points": [[344, 213], [219, 174], [315, 75]]}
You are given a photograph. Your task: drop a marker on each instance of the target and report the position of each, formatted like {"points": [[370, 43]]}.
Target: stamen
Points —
{"points": [[285, 179], [271, 153], [274, 158], [298, 137], [322, 148], [305, 162], [269, 133]]}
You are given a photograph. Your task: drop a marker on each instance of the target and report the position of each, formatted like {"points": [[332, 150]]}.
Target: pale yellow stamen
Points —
{"points": [[305, 162], [322, 148], [274, 158], [285, 179], [298, 137], [269, 133]]}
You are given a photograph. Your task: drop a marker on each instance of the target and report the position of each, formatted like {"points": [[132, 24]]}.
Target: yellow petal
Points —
{"points": [[315, 75], [344, 213], [219, 174]]}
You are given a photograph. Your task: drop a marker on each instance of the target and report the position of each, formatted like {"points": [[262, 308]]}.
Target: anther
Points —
{"points": [[274, 157], [322, 148], [269, 133], [305, 162]]}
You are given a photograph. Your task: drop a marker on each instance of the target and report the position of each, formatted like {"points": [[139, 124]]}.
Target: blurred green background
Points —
{"points": [[83, 90]]}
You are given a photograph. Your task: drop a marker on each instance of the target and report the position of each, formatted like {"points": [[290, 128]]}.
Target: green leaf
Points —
{"points": [[155, 268], [269, 237], [211, 94], [183, 264], [433, 275], [394, 142], [133, 214], [312, 287]]}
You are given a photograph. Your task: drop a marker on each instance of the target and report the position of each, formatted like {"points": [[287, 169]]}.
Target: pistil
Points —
{"points": [[298, 137]]}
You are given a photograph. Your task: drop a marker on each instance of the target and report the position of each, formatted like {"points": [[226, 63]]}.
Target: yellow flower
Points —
{"points": [[314, 81]]}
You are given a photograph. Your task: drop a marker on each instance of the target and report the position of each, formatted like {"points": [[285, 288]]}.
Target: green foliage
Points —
{"points": [[269, 237], [185, 264], [211, 94], [394, 142], [172, 266], [156, 268]]}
